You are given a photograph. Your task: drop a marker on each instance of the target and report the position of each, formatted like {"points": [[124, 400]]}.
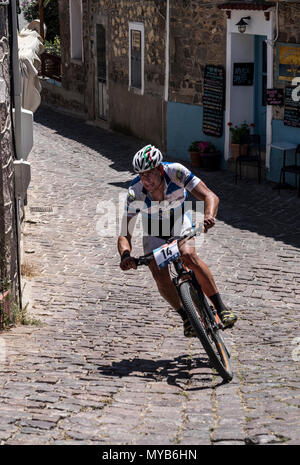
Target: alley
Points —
{"points": [[109, 363]]}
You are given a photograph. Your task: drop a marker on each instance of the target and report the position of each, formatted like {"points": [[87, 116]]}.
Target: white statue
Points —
{"points": [[30, 48]]}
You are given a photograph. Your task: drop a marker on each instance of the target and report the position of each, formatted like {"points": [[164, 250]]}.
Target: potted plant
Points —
{"points": [[210, 156], [194, 150], [205, 155], [236, 133]]}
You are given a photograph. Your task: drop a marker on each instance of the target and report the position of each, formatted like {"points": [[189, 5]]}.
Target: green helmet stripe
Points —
{"points": [[147, 156]]}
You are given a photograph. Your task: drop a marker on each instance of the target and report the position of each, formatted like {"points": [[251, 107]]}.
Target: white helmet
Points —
{"points": [[146, 159]]}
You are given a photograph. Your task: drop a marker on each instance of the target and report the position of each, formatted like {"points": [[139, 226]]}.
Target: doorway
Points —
{"points": [[248, 103], [102, 95]]}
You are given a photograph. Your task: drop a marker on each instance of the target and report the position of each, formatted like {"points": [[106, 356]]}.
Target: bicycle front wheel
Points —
{"points": [[211, 340]]}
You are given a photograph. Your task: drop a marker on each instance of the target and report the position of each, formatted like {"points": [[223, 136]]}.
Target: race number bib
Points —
{"points": [[166, 254]]}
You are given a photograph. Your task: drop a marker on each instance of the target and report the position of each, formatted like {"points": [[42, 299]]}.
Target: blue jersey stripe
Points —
{"points": [[172, 187], [188, 179], [135, 180]]}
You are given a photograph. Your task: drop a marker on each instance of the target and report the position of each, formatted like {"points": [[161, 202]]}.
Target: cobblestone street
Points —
{"points": [[109, 364]]}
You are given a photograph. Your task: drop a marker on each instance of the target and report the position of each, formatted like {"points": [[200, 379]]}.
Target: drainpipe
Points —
{"points": [[167, 50], [166, 89], [17, 81]]}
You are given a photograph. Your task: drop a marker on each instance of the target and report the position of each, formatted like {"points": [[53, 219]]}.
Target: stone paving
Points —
{"points": [[109, 363]]}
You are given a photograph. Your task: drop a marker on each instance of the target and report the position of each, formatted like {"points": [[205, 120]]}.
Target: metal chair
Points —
{"points": [[293, 169], [253, 154]]}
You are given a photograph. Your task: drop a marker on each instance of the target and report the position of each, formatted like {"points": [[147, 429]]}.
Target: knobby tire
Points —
{"points": [[214, 347]]}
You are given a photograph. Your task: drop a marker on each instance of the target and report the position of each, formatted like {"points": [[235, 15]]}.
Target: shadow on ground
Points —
{"points": [[173, 371], [116, 147], [257, 208]]}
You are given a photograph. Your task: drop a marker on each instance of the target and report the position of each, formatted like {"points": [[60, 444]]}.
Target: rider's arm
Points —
{"points": [[124, 248], [211, 203]]}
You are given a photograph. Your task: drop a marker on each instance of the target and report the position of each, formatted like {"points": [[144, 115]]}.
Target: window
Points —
{"points": [[76, 30], [101, 52], [136, 56]]}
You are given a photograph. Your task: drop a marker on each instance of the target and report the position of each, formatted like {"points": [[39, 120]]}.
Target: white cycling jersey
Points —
{"points": [[177, 181]]}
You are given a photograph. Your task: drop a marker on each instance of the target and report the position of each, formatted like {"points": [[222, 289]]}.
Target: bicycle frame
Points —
{"points": [[202, 316], [184, 273]]}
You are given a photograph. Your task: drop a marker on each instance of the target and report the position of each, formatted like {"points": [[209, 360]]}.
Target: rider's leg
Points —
{"points": [[165, 285], [207, 282], [201, 270]]}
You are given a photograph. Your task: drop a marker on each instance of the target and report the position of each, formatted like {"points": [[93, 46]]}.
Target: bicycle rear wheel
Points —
{"points": [[210, 338]]}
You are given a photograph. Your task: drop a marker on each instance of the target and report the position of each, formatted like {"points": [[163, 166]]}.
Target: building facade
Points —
{"points": [[174, 71], [9, 270], [113, 64]]}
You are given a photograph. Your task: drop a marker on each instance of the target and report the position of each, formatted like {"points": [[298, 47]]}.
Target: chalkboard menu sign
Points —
{"points": [[275, 96], [243, 74], [213, 100], [291, 109]]}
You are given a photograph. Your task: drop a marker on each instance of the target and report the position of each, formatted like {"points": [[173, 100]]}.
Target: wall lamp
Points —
{"points": [[242, 25]]}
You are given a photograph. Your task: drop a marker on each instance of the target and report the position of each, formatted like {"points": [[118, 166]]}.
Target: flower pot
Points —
{"points": [[211, 161], [235, 150], [195, 159]]}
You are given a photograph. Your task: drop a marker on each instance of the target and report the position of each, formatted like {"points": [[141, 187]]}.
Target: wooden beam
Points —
{"points": [[41, 14]]}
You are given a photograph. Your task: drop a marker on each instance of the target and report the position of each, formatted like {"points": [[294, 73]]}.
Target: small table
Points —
{"points": [[284, 146]]}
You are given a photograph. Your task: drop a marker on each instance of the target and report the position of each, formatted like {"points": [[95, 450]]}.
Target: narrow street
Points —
{"points": [[109, 363]]}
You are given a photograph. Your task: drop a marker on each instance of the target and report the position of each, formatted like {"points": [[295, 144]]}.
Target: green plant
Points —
{"points": [[53, 47], [22, 318], [30, 9], [11, 313], [238, 131], [194, 147], [202, 147]]}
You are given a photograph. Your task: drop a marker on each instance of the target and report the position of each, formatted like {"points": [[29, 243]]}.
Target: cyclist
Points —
{"points": [[159, 193]]}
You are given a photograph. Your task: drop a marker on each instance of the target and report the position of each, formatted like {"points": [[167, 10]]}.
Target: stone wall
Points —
{"points": [[289, 22], [120, 13], [126, 106], [79, 82], [197, 38], [8, 237], [193, 25], [57, 96]]}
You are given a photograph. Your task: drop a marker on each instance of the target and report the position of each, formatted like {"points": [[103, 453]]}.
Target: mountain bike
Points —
{"points": [[203, 317]]}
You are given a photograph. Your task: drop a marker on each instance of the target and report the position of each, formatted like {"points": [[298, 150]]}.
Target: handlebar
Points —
{"points": [[146, 259]]}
